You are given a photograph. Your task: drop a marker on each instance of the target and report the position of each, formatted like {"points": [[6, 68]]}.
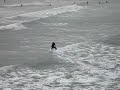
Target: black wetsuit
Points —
{"points": [[53, 46]]}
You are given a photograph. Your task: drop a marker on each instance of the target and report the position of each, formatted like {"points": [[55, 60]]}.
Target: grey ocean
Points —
{"points": [[88, 54]]}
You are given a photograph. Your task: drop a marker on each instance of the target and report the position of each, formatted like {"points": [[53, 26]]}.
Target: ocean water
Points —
{"points": [[88, 54]]}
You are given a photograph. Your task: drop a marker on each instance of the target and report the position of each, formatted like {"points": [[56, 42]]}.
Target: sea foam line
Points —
{"points": [[15, 26], [104, 55], [24, 4], [28, 17], [85, 74], [49, 12]]}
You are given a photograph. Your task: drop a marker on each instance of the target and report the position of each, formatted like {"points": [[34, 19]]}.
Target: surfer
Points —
{"points": [[107, 2], [4, 1], [87, 2], [53, 46]]}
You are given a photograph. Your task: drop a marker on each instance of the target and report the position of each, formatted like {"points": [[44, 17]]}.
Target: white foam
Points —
{"points": [[15, 26], [49, 12], [25, 78], [55, 24], [28, 17], [90, 52], [90, 69], [24, 4], [7, 89], [93, 59], [6, 68]]}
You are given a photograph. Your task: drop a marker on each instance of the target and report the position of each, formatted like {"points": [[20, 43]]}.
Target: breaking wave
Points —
{"points": [[25, 4], [104, 56], [28, 17], [88, 66], [15, 26]]}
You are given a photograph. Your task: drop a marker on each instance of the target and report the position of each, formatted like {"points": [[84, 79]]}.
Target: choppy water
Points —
{"points": [[88, 54]]}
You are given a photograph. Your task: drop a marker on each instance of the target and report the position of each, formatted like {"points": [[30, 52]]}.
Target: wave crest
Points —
{"points": [[15, 26], [103, 56]]}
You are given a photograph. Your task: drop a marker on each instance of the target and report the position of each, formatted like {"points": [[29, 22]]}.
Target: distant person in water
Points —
{"points": [[4, 1], [53, 46], [87, 2], [107, 2], [50, 5]]}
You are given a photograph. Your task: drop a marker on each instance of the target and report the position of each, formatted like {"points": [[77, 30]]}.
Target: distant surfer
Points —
{"points": [[50, 5], [53, 46], [4, 1], [87, 2], [107, 2]]}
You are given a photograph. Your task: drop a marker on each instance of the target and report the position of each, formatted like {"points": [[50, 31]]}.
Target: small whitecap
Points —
{"points": [[15, 26]]}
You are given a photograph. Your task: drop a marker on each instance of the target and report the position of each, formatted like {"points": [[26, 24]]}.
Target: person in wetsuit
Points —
{"points": [[53, 46]]}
